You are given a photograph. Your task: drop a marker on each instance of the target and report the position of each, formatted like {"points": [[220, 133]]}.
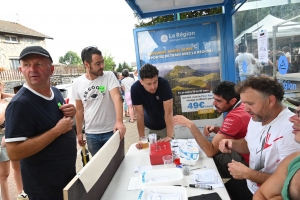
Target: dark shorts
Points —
{"points": [[222, 160]]}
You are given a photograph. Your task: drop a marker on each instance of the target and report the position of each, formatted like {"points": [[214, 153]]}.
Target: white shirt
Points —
{"points": [[270, 144], [99, 109], [127, 82]]}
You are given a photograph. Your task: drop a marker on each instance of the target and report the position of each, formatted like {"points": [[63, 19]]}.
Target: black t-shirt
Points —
{"points": [[152, 103], [49, 170]]}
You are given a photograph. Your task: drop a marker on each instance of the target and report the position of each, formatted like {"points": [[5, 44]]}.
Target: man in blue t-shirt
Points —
{"points": [[39, 129], [153, 103]]}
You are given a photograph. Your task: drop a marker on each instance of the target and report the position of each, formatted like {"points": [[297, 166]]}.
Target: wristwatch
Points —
{"points": [[171, 137]]}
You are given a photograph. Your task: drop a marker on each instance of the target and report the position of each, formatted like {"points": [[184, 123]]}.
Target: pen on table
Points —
{"points": [[207, 187], [198, 168]]}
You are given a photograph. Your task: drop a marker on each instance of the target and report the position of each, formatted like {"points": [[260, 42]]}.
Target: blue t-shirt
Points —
{"points": [[51, 169], [152, 103]]}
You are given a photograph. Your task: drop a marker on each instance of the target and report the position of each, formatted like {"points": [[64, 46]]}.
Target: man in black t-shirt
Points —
{"points": [[39, 129], [153, 102]]}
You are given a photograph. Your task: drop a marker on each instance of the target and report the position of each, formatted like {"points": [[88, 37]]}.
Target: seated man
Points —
{"points": [[234, 127], [285, 182], [268, 140]]}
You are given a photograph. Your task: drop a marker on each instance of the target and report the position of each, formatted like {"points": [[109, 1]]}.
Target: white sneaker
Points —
{"points": [[22, 196]]}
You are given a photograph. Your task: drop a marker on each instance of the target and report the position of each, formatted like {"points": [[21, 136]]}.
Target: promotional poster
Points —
{"points": [[189, 58]]}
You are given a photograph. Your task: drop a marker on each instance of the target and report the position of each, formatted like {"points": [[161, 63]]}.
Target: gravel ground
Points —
{"points": [[131, 137]]}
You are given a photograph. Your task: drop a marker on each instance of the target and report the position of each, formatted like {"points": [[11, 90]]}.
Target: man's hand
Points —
{"points": [[166, 139], [181, 120], [225, 145], [64, 125], [122, 129], [208, 130], [69, 110], [139, 145], [81, 142], [237, 170]]}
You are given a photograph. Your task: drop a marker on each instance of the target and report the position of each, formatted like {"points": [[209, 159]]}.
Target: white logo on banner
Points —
{"points": [[164, 38]]}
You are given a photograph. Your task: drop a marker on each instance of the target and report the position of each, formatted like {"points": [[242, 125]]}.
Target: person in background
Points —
{"points": [[286, 51], [120, 89], [257, 67], [245, 61], [4, 160], [126, 112], [126, 83], [153, 101], [268, 140], [98, 102], [285, 182], [38, 131], [237, 73]]}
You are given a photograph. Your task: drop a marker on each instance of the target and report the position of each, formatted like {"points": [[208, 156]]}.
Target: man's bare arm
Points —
{"points": [[240, 146], [139, 110], [168, 108], [209, 148], [117, 99], [257, 176], [79, 116]]}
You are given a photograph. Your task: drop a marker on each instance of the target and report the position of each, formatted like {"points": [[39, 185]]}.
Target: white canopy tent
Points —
{"points": [[288, 29]]}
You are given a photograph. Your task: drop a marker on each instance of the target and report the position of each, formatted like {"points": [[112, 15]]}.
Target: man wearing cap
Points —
{"points": [[38, 131], [98, 102]]}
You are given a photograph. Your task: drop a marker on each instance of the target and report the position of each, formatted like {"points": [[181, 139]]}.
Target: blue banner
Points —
{"points": [[179, 43], [188, 57]]}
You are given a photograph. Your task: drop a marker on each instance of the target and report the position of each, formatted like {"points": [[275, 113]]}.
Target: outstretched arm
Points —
{"points": [[209, 148]]}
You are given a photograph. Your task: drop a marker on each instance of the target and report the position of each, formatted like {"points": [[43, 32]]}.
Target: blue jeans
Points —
{"points": [[96, 141]]}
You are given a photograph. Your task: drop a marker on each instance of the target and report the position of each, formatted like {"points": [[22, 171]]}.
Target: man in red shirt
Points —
{"points": [[234, 126]]}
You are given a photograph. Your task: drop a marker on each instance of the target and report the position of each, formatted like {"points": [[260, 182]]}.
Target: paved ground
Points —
{"points": [[130, 137]]}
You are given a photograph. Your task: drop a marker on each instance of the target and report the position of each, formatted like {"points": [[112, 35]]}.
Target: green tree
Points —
{"points": [[70, 58], [185, 15], [109, 62], [119, 69], [124, 65]]}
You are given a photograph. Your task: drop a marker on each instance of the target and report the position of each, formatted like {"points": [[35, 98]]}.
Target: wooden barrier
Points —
{"points": [[76, 189], [14, 74], [9, 75]]}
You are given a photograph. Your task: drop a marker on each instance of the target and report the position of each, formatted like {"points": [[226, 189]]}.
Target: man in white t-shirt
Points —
{"points": [[268, 139], [98, 102], [245, 62]]}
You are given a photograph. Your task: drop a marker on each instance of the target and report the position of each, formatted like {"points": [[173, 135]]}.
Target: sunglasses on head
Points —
{"points": [[89, 47]]}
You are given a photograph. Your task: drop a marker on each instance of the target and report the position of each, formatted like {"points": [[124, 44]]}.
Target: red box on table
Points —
{"points": [[158, 150]]}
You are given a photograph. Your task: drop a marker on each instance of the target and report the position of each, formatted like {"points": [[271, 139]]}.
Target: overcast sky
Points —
{"points": [[75, 24]]}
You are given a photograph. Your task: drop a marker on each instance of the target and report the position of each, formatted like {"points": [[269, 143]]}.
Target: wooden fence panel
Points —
{"points": [[10, 75]]}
